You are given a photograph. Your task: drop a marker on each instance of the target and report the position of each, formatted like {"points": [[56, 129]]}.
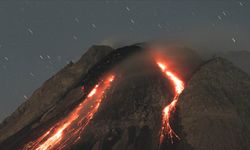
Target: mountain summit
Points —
{"points": [[136, 98]]}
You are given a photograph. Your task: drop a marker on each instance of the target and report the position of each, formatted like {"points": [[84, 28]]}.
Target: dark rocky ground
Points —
{"points": [[215, 106], [212, 112]]}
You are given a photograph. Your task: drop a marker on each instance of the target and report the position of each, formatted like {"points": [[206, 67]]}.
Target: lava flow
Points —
{"points": [[166, 113], [68, 130]]}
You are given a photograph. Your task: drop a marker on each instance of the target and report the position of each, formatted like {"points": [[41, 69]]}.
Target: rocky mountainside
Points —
{"points": [[215, 106], [211, 112], [51, 92], [59, 95], [240, 58]]}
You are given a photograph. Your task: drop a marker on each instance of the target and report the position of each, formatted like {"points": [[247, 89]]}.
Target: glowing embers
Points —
{"points": [[67, 131], [166, 113]]}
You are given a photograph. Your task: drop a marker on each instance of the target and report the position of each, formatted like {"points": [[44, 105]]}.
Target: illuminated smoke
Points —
{"points": [[68, 130], [178, 84]]}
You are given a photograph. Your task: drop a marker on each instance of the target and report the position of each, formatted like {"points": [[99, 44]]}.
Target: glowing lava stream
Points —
{"points": [[166, 113], [69, 129]]}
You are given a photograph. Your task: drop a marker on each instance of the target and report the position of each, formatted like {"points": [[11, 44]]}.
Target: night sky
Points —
{"points": [[39, 38]]}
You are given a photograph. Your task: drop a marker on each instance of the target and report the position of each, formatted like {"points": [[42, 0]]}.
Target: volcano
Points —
{"points": [[138, 97]]}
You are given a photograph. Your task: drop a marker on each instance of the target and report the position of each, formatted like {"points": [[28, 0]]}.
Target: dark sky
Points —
{"points": [[39, 38]]}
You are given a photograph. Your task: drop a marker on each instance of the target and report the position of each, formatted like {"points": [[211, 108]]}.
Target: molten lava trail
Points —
{"points": [[68, 130], [178, 85]]}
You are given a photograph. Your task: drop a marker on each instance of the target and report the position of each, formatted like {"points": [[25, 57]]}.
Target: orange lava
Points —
{"points": [[166, 113], [68, 130]]}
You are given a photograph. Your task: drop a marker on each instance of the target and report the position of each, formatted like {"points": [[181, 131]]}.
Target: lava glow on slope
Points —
{"points": [[166, 113], [68, 130]]}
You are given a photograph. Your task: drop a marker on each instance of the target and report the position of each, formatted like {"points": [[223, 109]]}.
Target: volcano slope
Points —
{"points": [[129, 115], [59, 95], [215, 106], [44, 99]]}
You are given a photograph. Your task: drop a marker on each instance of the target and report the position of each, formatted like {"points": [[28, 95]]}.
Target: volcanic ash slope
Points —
{"points": [[215, 106]]}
